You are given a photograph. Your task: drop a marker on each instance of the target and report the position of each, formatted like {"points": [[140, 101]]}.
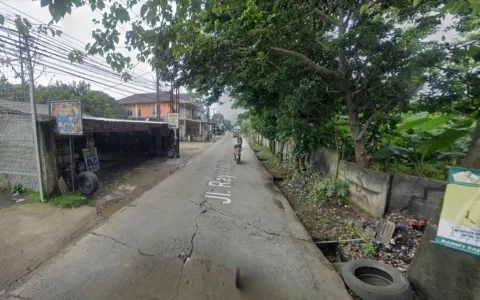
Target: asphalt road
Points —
{"points": [[177, 241]]}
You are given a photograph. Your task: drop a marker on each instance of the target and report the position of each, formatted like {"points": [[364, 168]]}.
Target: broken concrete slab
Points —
{"points": [[384, 232]]}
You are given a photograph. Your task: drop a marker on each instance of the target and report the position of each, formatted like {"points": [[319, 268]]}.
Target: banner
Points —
{"points": [[459, 226], [91, 159], [172, 120], [68, 116]]}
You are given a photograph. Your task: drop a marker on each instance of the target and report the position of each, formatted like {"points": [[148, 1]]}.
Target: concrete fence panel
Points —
{"points": [[326, 161], [368, 188], [416, 196]]}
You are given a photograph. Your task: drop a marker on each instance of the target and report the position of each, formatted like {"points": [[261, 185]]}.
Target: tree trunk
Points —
{"points": [[362, 158], [472, 159]]}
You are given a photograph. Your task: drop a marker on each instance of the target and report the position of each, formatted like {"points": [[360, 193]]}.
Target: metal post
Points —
{"points": [[72, 163], [33, 111]]}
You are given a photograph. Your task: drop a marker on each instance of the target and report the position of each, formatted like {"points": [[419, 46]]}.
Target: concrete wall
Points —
{"points": [[17, 152], [416, 196], [368, 189], [375, 192], [438, 272]]}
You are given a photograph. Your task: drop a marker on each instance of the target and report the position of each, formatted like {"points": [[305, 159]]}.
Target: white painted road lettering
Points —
{"points": [[222, 182]]}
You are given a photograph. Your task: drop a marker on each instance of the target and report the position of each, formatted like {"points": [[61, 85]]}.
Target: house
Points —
{"points": [[193, 121]]}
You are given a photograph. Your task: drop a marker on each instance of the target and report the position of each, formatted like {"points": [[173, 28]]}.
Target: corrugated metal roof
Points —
{"points": [[42, 110], [122, 120]]}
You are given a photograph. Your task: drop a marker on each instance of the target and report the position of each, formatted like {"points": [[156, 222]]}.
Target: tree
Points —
{"points": [[218, 118], [227, 124], [454, 84], [241, 117], [95, 103]]}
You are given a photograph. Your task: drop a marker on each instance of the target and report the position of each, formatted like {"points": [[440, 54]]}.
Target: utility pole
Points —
{"points": [[22, 75], [157, 108]]}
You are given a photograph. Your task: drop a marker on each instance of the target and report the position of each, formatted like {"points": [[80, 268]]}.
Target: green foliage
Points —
{"points": [[422, 139], [16, 189], [64, 201], [369, 249], [365, 61], [95, 103], [327, 190], [218, 118]]}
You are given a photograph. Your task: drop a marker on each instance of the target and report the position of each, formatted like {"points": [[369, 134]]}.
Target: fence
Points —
{"points": [[19, 150], [375, 192]]}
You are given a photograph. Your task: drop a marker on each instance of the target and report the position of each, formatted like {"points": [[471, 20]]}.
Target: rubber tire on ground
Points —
{"points": [[171, 153], [87, 190], [399, 289], [80, 166]]}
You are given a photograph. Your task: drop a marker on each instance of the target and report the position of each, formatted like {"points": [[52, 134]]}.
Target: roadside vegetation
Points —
{"points": [[64, 201]]}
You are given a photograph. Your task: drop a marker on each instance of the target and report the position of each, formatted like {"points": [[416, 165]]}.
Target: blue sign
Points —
{"points": [[68, 116]]}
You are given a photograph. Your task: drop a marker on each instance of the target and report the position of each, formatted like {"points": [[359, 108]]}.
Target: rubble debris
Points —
{"points": [[384, 232]]}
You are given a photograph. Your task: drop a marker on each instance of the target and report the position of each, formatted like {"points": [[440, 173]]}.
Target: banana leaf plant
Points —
{"points": [[426, 151]]}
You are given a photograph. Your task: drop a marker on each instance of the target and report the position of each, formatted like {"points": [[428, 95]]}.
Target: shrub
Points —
{"points": [[369, 249], [327, 190]]}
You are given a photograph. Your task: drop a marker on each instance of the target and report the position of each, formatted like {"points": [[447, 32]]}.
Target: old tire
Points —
{"points": [[373, 280], [87, 183], [172, 153], [81, 167]]}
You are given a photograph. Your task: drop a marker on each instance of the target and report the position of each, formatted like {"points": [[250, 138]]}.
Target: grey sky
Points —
{"points": [[79, 25]]}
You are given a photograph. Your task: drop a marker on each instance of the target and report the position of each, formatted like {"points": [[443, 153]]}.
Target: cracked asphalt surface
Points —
{"points": [[175, 243]]}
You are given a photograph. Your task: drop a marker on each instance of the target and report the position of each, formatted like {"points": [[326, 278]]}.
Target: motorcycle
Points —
{"points": [[237, 154]]}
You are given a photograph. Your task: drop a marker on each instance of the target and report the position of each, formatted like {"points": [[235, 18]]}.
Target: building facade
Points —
{"points": [[193, 121]]}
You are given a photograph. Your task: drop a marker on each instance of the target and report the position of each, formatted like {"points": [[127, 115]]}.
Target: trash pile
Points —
{"points": [[396, 237]]}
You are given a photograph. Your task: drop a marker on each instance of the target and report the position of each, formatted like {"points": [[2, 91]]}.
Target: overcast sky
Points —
{"points": [[80, 26]]}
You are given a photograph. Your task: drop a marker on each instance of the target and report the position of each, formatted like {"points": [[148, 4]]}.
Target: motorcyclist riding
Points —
{"points": [[239, 141], [236, 151]]}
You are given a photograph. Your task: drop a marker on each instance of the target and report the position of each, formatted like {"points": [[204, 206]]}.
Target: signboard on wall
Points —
{"points": [[172, 120], [68, 116], [91, 159], [459, 225]]}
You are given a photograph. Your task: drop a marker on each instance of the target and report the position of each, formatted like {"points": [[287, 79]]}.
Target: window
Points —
{"points": [[130, 113], [156, 110], [139, 114]]}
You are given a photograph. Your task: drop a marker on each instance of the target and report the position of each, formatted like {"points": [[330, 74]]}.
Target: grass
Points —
{"points": [[272, 161], [64, 201]]}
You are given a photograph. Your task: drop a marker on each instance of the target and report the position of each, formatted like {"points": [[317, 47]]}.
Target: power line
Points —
{"points": [[70, 71]]}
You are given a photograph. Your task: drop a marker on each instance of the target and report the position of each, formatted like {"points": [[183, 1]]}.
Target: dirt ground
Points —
{"points": [[32, 233]]}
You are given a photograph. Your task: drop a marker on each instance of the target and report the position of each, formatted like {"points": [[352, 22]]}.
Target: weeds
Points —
{"points": [[64, 201], [369, 249], [327, 190], [16, 189]]}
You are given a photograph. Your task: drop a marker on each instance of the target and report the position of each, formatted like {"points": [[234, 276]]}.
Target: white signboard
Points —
{"points": [[172, 120], [91, 159]]}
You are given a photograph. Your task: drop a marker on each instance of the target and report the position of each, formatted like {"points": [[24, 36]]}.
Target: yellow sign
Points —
{"points": [[459, 225]]}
